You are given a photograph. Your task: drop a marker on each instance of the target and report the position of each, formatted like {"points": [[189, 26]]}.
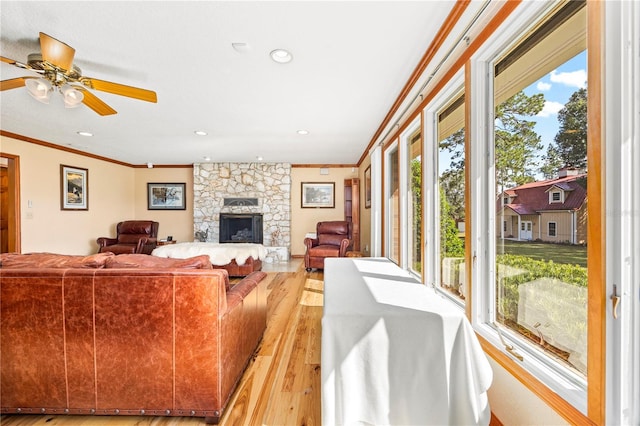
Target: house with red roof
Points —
{"points": [[553, 210]]}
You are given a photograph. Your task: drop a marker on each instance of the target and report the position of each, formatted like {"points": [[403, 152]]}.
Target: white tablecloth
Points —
{"points": [[394, 352]]}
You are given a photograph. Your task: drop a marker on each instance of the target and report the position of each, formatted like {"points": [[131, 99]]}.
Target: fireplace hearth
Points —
{"points": [[241, 228]]}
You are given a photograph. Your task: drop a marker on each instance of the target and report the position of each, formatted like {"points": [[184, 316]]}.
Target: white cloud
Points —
{"points": [[543, 87], [550, 108], [573, 79]]}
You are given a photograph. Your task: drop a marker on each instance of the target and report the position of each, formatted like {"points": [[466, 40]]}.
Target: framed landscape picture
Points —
{"points": [[166, 196], [74, 188], [318, 195], [367, 188]]}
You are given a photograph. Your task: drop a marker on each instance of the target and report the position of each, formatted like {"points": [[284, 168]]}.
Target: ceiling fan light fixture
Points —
{"points": [[72, 96], [40, 89]]}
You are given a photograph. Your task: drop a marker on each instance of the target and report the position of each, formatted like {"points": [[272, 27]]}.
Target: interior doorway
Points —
{"points": [[9, 203]]}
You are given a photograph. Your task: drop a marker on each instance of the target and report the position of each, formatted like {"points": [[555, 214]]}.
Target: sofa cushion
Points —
{"points": [[53, 260], [148, 261]]}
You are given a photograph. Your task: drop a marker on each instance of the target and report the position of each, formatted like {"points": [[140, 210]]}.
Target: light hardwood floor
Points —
{"points": [[281, 386]]}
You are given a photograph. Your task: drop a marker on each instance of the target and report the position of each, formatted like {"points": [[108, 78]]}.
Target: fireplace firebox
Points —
{"points": [[241, 228]]}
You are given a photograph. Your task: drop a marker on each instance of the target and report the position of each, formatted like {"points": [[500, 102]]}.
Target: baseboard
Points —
{"points": [[495, 421]]}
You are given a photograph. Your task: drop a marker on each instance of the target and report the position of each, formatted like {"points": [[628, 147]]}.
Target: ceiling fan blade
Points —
{"points": [[17, 64], [93, 102], [13, 83], [56, 52], [120, 89]]}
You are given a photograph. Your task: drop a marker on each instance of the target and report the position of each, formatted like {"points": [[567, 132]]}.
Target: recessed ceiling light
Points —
{"points": [[240, 47], [303, 132], [207, 158], [259, 158], [85, 133], [200, 133], [281, 56]]}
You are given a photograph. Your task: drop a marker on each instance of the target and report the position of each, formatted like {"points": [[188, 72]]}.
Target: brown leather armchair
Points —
{"points": [[132, 236], [333, 238]]}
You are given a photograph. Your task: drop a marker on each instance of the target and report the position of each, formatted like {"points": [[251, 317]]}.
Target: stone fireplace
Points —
{"points": [[241, 228], [243, 189]]}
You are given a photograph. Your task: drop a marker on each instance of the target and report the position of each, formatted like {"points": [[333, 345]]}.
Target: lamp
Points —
{"points": [[40, 89], [72, 97]]}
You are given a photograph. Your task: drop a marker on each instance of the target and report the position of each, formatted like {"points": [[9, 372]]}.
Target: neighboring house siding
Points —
{"points": [[564, 226], [512, 224], [581, 234]]}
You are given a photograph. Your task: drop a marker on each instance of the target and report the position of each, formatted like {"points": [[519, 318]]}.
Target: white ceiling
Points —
{"points": [[350, 62]]}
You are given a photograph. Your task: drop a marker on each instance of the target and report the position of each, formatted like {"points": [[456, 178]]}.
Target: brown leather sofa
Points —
{"points": [[124, 335], [132, 236], [333, 239]]}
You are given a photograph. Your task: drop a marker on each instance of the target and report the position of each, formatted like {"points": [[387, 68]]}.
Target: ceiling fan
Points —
{"points": [[57, 71]]}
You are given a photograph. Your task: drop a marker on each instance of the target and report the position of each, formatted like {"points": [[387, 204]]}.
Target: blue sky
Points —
{"points": [[557, 87]]}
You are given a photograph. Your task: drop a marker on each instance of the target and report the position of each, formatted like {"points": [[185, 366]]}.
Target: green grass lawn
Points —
{"points": [[559, 253]]}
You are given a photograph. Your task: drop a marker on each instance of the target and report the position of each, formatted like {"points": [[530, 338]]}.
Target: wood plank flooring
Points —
{"points": [[281, 386]]}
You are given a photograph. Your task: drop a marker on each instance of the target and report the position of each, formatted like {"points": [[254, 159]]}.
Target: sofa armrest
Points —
{"points": [[344, 245], [310, 242], [106, 241], [141, 242]]}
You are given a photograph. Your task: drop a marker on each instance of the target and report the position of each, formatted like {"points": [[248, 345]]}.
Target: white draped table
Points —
{"points": [[394, 352]]}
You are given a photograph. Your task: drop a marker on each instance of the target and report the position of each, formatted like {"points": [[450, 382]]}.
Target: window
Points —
{"points": [[537, 301], [392, 223], [414, 210], [555, 197], [535, 298], [552, 229], [450, 132]]}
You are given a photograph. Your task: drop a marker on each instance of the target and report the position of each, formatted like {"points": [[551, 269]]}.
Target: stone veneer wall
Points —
{"points": [[270, 183]]}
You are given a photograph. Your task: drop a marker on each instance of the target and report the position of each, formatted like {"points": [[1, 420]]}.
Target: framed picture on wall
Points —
{"points": [[166, 196], [367, 188], [74, 188], [318, 195]]}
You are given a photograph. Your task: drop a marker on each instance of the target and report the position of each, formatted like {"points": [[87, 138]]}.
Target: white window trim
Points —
{"points": [[559, 200], [621, 112], [564, 382], [406, 199], [377, 202], [431, 193], [389, 217]]}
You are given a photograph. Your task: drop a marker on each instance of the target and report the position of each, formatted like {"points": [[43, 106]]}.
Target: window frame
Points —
{"points": [[405, 191], [570, 394], [391, 238], [552, 194], [430, 182]]}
